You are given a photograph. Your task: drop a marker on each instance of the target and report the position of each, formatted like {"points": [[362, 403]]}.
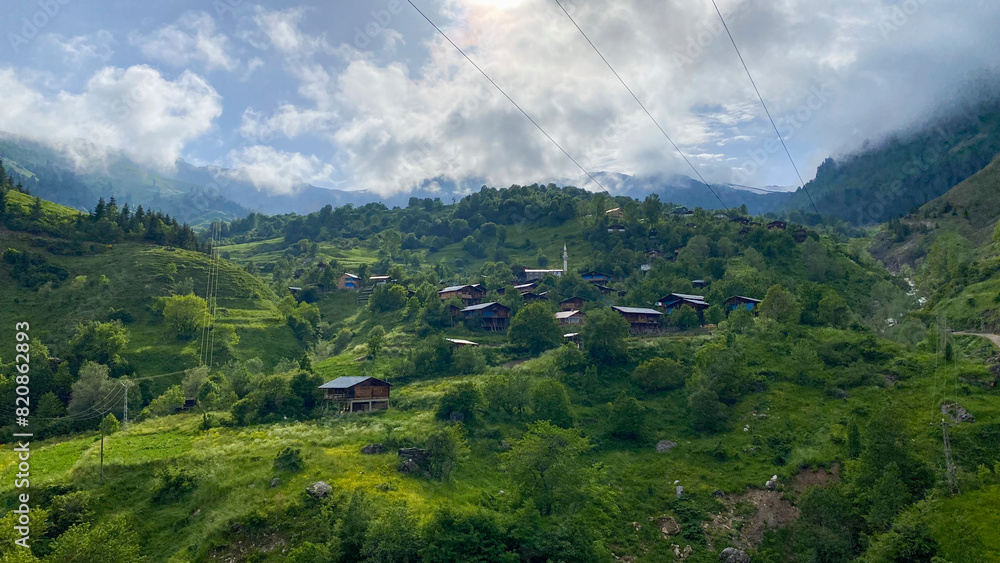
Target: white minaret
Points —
{"points": [[565, 260]]}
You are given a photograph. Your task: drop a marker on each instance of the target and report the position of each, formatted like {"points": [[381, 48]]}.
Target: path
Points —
{"points": [[994, 338]]}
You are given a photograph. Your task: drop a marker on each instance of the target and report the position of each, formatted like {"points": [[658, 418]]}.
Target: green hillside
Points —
{"points": [[534, 449]]}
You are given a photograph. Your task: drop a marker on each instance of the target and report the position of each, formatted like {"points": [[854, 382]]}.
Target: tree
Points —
{"points": [[604, 336], [185, 314], [342, 340], [352, 526], [392, 538], [833, 310], [708, 414], [92, 391], [715, 314], [110, 541], [550, 401], [507, 394], [547, 469], [685, 318], [171, 401], [780, 305], [659, 374], [99, 342], [110, 425], [462, 402], [535, 328], [473, 537], [376, 341], [445, 448], [628, 419]]}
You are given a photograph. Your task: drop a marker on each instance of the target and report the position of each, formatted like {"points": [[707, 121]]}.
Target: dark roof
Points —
{"points": [[346, 382], [573, 299], [460, 287], [741, 298], [482, 306], [674, 297], [637, 311]]}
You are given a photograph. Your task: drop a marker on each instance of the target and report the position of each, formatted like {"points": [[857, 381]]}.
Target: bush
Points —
{"points": [[659, 374], [290, 460], [173, 485], [550, 401], [463, 401], [628, 419], [69, 510]]}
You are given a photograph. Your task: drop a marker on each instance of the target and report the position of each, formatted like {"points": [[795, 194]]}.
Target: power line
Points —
{"points": [[641, 105], [511, 100], [767, 111]]}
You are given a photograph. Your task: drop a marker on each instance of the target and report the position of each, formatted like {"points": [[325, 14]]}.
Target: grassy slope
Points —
{"points": [[233, 466], [136, 274]]}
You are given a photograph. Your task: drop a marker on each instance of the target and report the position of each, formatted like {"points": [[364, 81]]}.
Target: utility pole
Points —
{"points": [[948, 462], [102, 451], [125, 417]]}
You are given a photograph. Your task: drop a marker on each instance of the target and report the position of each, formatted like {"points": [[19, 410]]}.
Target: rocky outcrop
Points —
{"points": [[319, 489], [665, 446], [957, 413], [733, 555], [373, 449]]}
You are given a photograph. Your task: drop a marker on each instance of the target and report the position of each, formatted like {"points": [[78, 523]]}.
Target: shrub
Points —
{"points": [[289, 459], [659, 374], [173, 485]]}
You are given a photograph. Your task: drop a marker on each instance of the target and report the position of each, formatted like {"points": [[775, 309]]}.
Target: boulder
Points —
{"points": [[408, 466], [319, 489], [680, 491], [275, 482], [772, 483], [665, 446], [373, 449], [733, 555], [957, 413], [668, 526]]}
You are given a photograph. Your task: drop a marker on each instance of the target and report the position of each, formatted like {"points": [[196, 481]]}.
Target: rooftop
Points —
{"points": [[637, 311], [345, 382]]}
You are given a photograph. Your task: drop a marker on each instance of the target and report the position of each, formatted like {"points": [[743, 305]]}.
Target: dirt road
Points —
{"points": [[994, 338]]}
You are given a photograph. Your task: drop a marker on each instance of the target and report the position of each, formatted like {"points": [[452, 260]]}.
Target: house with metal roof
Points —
{"points": [[675, 301], [640, 320], [357, 393], [488, 316]]}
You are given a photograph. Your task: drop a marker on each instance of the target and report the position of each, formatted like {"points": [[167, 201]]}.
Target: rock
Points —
{"points": [[668, 526], [457, 416], [677, 482], [841, 394], [733, 555], [772, 483], [746, 428], [680, 491], [665, 446], [957, 413], [275, 482], [718, 494], [319, 489], [373, 449], [637, 526], [408, 466], [504, 444], [686, 553]]}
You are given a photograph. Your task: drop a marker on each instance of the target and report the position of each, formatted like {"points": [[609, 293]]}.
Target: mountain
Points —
{"points": [[887, 179], [683, 190]]}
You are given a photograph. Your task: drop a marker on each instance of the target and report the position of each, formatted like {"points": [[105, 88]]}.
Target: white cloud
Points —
{"points": [[81, 48], [281, 28], [289, 121], [277, 171], [192, 38], [134, 110]]}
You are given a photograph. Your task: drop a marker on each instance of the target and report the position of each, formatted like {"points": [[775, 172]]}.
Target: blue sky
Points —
{"points": [[364, 94]]}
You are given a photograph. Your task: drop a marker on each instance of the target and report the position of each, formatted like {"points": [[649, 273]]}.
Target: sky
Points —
{"points": [[365, 94]]}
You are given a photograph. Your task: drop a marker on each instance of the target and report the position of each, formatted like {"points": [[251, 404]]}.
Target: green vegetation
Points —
{"points": [[519, 445]]}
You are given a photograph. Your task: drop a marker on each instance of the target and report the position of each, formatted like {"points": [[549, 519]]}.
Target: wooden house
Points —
{"points": [[574, 337], [298, 273], [467, 294], [459, 343], [779, 225], [675, 301], [739, 302], [294, 290], [357, 393], [537, 274], [489, 316], [379, 280], [640, 320], [570, 318], [526, 287], [572, 304], [615, 213], [532, 297], [699, 284], [455, 312], [595, 277], [740, 220], [616, 228], [605, 290], [801, 235], [348, 281]]}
